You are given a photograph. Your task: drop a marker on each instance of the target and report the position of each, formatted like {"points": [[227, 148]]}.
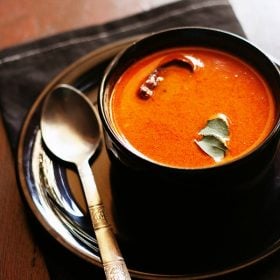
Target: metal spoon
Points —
{"points": [[71, 131]]}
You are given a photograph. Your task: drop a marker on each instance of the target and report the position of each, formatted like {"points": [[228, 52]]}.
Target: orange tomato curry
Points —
{"points": [[163, 126]]}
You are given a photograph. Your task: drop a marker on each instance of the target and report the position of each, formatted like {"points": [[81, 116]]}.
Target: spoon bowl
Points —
{"points": [[69, 125], [71, 131]]}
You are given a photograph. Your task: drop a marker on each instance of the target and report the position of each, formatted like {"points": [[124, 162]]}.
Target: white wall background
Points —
{"points": [[260, 20]]}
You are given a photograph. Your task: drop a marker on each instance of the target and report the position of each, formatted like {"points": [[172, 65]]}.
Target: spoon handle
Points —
{"points": [[113, 262]]}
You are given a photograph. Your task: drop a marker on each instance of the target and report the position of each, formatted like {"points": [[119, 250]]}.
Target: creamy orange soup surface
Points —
{"points": [[164, 125]]}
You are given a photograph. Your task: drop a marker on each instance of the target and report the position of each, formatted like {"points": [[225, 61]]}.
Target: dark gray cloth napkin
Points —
{"points": [[26, 69]]}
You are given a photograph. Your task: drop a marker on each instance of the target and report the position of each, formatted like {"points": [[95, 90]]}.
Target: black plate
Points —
{"points": [[242, 233]]}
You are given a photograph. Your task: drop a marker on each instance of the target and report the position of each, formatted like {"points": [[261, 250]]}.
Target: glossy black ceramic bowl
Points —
{"points": [[152, 200], [237, 172]]}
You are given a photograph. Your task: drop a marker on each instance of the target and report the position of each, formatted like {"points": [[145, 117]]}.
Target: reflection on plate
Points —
{"points": [[228, 242]]}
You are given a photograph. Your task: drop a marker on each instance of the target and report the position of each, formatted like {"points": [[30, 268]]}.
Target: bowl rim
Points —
{"points": [[107, 126]]}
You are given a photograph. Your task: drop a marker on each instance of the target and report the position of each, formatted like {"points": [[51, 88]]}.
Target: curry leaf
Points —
{"points": [[215, 137]]}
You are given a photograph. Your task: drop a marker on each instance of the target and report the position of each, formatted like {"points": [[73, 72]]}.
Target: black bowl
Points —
{"points": [[152, 200]]}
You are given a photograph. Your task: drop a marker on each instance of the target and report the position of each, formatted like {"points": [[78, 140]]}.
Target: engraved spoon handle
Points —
{"points": [[113, 262]]}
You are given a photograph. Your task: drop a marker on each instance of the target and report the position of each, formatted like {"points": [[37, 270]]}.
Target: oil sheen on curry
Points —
{"points": [[178, 107]]}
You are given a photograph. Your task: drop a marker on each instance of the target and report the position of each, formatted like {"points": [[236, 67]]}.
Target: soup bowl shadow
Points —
{"points": [[153, 201]]}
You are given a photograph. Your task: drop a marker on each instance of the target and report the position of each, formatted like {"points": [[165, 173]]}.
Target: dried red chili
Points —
{"points": [[146, 89]]}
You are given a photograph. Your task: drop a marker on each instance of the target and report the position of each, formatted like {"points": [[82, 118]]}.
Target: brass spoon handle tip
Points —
{"points": [[116, 270]]}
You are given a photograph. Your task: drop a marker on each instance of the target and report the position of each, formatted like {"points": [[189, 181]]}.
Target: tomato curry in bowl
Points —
{"points": [[162, 103]]}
